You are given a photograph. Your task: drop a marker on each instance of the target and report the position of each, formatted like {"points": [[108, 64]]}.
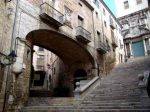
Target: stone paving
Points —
{"points": [[117, 92]]}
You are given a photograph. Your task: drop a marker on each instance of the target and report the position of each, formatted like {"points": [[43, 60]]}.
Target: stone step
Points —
{"points": [[89, 110], [110, 104], [40, 93], [114, 95], [114, 98], [115, 101], [106, 107], [47, 107]]}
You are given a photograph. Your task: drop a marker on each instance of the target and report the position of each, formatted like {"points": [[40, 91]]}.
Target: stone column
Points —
{"points": [[125, 50], [94, 71], [145, 49], [130, 46]]}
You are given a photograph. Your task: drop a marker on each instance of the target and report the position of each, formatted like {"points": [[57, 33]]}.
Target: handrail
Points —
{"points": [[81, 91]]}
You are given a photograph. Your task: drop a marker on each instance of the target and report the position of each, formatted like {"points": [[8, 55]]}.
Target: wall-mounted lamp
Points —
{"points": [[8, 59]]}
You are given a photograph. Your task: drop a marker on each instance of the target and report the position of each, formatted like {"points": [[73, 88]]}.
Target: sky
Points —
{"points": [[111, 5]]}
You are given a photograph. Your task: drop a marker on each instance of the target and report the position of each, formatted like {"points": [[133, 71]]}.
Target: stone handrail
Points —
{"points": [[80, 90], [143, 79]]}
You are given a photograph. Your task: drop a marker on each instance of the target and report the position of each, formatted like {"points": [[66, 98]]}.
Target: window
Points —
{"points": [[116, 27], [41, 49], [138, 2], [96, 14], [80, 21], [68, 14], [40, 67], [96, 2], [98, 35], [120, 31], [105, 24], [126, 4], [80, 4], [120, 43], [41, 57], [104, 12]]}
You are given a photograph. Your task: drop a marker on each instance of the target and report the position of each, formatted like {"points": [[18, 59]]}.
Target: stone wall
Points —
{"points": [[6, 23]]}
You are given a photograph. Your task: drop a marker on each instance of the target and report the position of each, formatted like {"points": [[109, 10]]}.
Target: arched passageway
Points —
{"points": [[76, 58], [79, 75]]}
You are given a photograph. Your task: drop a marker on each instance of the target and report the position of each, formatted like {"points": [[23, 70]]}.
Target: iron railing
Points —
{"points": [[102, 46], [114, 41], [52, 12], [111, 23], [80, 31]]}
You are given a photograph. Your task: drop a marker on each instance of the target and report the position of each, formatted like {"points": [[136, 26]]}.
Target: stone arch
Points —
{"points": [[65, 47], [72, 53]]}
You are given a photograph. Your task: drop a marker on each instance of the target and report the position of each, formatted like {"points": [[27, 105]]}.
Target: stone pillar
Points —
{"points": [[125, 50], [130, 46], [94, 72], [145, 49]]}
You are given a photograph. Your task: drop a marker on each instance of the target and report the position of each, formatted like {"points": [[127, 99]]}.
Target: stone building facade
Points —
{"points": [[48, 63], [83, 33], [135, 19]]}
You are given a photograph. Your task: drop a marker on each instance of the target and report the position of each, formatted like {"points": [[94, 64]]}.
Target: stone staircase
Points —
{"points": [[117, 92]]}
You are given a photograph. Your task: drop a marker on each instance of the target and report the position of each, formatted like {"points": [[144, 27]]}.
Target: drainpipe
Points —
{"points": [[11, 48], [14, 27]]}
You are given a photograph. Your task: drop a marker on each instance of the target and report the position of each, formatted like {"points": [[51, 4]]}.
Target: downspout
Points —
{"points": [[14, 27], [11, 48]]}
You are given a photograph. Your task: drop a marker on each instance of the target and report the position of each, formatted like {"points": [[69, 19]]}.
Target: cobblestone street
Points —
{"points": [[117, 92]]}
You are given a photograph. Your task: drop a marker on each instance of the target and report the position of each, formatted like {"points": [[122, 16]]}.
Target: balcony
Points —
{"points": [[50, 15], [83, 35], [114, 42], [112, 23], [102, 47]]}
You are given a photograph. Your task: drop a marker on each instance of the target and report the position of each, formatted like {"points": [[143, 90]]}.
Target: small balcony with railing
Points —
{"points": [[102, 47], [114, 42], [83, 35], [50, 15], [111, 23]]}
